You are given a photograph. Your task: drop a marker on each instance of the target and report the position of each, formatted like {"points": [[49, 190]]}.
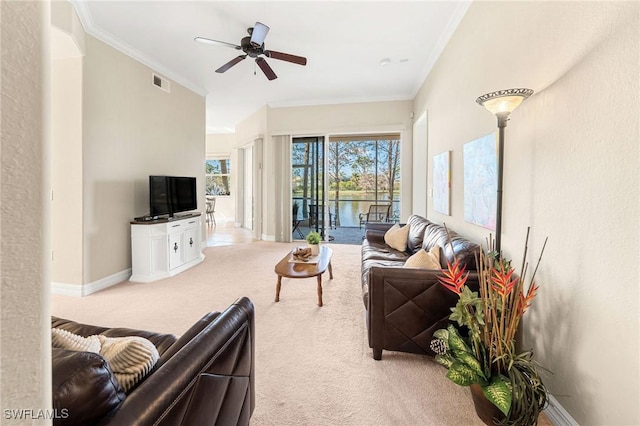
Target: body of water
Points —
{"points": [[350, 208]]}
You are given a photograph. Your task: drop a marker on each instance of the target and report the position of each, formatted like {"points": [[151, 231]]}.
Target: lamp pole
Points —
{"points": [[502, 123], [501, 104]]}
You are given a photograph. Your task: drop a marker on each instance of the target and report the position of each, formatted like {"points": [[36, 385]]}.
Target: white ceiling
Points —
{"points": [[344, 43]]}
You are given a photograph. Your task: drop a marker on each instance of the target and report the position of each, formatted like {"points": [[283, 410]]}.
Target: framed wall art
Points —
{"points": [[442, 183], [481, 181]]}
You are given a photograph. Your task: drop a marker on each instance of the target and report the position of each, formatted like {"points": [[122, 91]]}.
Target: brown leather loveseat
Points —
{"points": [[405, 306], [204, 377]]}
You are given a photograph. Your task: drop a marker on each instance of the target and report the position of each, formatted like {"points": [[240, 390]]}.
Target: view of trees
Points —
{"points": [[217, 177], [364, 170]]}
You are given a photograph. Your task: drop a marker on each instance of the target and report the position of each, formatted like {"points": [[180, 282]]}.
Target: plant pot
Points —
{"points": [[315, 249], [485, 408]]}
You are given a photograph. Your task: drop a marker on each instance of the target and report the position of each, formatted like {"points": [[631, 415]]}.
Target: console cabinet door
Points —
{"points": [[191, 244], [176, 250]]}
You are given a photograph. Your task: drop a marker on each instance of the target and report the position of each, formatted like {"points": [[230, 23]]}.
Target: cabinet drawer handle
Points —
{"points": [[190, 242], [175, 226], [175, 247], [193, 221]]}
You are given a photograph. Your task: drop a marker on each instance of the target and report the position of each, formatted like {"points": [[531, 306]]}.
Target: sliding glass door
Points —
{"points": [[307, 186]]}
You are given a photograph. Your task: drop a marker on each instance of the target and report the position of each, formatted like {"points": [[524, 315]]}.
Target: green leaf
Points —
{"points": [[472, 362], [456, 343], [441, 334], [498, 393], [461, 374], [444, 360]]}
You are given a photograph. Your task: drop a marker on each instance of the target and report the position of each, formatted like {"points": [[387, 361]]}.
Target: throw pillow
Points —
{"points": [[130, 358], [424, 259], [396, 237]]}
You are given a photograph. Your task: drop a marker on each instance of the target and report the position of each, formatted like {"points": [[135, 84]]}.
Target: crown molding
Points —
{"points": [[461, 9], [90, 28]]}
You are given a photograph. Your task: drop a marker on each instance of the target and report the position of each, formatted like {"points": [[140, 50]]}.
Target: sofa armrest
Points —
{"points": [[209, 380], [374, 232], [406, 306]]}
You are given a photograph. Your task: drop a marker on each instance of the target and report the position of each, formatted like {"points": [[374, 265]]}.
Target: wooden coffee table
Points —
{"points": [[284, 268]]}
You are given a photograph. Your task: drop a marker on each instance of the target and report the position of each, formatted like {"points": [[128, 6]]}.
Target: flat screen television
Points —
{"points": [[169, 195]]}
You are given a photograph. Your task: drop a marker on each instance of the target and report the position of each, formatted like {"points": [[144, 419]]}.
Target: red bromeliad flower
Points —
{"points": [[525, 302], [454, 278], [502, 282]]}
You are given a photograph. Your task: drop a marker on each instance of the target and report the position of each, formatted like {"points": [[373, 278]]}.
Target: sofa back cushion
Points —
{"points": [[417, 224], [465, 250]]}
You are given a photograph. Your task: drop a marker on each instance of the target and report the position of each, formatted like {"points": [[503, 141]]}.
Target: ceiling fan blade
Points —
{"points": [[286, 57], [258, 34], [220, 43], [266, 69], [231, 63]]}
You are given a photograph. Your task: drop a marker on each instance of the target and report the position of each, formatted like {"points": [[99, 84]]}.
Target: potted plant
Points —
{"points": [[313, 239], [506, 386]]}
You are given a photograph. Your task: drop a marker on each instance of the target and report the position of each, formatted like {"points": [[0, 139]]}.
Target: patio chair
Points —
{"points": [[376, 213], [211, 210], [315, 218]]}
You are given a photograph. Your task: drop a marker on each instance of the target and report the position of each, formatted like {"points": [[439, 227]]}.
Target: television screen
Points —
{"points": [[171, 194]]}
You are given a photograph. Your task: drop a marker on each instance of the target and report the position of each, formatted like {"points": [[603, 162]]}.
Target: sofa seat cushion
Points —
{"points": [[83, 387], [376, 251]]}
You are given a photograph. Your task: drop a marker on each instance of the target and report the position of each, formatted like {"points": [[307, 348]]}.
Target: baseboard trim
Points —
{"points": [[65, 289], [558, 415], [266, 237]]}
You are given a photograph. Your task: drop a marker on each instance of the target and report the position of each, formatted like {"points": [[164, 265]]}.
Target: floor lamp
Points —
{"points": [[501, 104]]}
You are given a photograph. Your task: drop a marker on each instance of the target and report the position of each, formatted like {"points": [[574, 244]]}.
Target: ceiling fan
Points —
{"points": [[253, 46]]}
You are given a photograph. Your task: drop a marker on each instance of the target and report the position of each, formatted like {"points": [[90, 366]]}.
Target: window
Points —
{"points": [[363, 170], [218, 176]]}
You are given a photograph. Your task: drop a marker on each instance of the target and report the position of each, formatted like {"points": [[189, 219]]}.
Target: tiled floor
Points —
{"points": [[225, 234]]}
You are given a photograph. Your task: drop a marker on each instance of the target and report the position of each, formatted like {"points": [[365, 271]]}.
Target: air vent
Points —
{"points": [[161, 83]]}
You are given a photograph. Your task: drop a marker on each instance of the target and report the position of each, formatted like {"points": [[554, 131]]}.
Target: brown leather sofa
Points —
{"points": [[405, 306], [204, 377]]}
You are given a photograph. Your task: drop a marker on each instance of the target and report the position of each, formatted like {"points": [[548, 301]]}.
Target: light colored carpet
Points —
{"points": [[313, 365]]}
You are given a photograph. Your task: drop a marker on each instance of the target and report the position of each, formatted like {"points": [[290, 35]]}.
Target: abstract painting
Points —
{"points": [[442, 182], [481, 181]]}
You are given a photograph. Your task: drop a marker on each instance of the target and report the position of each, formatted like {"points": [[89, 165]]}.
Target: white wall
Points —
{"points": [[571, 172], [131, 129], [66, 159], [25, 370]]}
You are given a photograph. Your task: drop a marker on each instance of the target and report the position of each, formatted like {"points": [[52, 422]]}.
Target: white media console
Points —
{"points": [[162, 248]]}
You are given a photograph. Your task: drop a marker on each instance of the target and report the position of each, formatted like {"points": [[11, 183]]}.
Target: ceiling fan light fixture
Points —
{"points": [[258, 34]]}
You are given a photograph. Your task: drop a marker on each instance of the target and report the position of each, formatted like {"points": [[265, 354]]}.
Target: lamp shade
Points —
{"points": [[503, 102], [258, 34]]}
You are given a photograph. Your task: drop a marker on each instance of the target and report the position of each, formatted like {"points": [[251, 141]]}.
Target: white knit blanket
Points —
{"points": [[129, 358]]}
